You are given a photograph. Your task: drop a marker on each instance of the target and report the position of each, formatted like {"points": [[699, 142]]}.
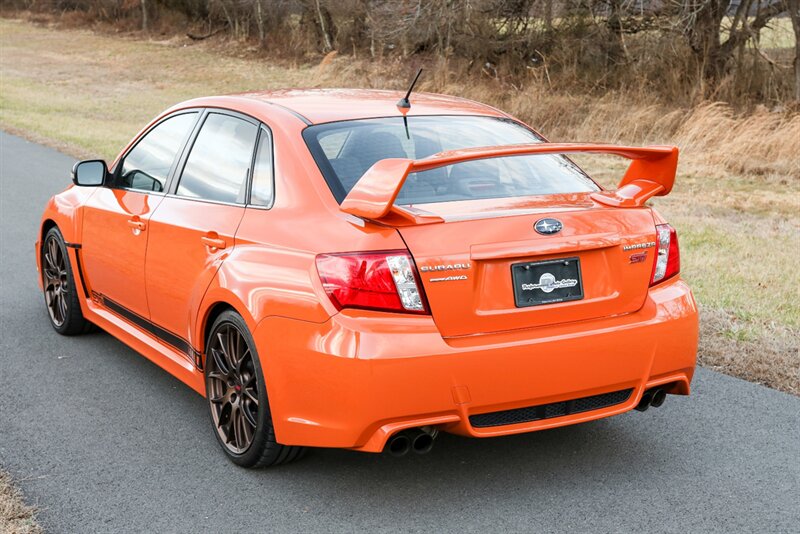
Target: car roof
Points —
{"points": [[328, 105]]}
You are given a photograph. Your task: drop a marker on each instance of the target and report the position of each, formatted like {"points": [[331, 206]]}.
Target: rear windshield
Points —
{"points": [[345, 150]]}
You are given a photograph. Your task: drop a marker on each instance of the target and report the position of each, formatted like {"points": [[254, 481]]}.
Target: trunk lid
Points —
{"points": [[474, 265]]}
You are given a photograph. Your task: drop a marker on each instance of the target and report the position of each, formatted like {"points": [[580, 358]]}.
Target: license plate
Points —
{"points": [[547, 282]]}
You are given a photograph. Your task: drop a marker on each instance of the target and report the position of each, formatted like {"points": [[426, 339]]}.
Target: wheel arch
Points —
{"points": [[216, 309], [64, 223], [217, 300], [64, 212], [47, 224]]}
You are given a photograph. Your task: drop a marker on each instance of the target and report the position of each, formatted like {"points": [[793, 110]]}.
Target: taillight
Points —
{"points": [[668, 256], [385, 280]]}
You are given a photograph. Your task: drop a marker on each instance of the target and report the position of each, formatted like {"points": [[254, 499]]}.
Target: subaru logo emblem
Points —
{"points": [[548, 226]]}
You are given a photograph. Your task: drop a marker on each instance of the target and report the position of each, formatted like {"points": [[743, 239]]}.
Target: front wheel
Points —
{"points": [[58, 283], [237, 397]]}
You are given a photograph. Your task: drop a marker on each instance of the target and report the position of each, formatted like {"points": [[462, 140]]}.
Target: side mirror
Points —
{"points": [[91, 172]]}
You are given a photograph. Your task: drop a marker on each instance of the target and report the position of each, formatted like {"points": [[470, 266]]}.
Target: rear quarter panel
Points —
{"points": [[271, 271]]}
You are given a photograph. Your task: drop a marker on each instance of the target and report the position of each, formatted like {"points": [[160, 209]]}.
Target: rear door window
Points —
{"points": [[219, 162]]}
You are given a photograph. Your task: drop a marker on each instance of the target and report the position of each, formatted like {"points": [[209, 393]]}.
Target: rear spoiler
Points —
{"points": [[651, 173]]}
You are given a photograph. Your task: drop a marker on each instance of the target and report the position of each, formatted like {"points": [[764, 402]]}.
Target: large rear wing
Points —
{"points": [[651, 173]]}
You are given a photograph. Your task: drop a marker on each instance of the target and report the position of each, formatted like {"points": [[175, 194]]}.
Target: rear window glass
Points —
{"points": [[345, 150]]}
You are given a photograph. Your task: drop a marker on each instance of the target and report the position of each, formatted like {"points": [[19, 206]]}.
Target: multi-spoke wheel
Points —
{"points": [[58, 285], [237, 396], [232, 388]]}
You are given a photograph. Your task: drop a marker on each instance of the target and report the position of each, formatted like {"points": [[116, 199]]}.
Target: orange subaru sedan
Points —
{"points": [[334, 268]]}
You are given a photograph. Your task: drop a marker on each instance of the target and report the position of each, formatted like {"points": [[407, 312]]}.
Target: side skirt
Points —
{"points": [[148, 345], [153, 329], [170, 352]]}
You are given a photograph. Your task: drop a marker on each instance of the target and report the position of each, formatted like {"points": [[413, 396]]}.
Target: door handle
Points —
{"points": [[136, 225], [214, 243]]}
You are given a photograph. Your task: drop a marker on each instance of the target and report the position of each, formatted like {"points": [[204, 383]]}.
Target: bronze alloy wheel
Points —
{"points": [[55, 280], [237, 396], [58, 283], [232, 388]]}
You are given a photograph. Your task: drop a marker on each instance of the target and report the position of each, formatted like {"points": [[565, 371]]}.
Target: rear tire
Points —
{"points": [[58, 283], [237, 397]]}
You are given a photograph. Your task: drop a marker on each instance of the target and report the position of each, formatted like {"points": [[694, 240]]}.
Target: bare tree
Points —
{"points": [[701, 22], [669, 47], [260, 22], [144, 15], [794, 13], [324, 26]]}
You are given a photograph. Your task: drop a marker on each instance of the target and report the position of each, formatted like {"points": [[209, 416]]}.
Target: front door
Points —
{"points": [[193, 230], [116, 218]]}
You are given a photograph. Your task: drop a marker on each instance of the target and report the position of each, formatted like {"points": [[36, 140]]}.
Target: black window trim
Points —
{"points": [[172, 190], [116, 173]]}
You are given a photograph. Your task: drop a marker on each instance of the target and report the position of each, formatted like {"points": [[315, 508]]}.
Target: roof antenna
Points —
{"points": [[403, 105]]}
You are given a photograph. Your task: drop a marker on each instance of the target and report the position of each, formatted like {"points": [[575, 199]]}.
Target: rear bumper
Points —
{"points": [[361, 376]]}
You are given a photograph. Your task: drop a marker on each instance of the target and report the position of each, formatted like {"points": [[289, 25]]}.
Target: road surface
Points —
{"points": [[104, 441]]}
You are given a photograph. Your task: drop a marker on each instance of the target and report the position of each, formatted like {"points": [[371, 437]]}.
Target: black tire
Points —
{"points": [[237, 397], [59, 289]]}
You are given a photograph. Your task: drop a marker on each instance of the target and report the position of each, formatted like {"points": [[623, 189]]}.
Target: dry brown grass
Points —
{"points": [[758, 142], [769, 356], [736, 203], [15, 516]]}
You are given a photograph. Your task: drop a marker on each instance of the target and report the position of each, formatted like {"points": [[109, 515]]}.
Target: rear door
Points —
{"points": [[487, 269], [193, 230], [116, 218]]}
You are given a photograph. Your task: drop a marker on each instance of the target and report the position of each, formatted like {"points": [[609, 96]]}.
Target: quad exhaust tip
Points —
{"points": [[421, 442], [417, 440], [399, 444], [659, 396], [654, 397]]}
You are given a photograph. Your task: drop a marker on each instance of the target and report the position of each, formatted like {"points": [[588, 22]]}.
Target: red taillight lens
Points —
{"points": [[668, 256], [385, 280]]}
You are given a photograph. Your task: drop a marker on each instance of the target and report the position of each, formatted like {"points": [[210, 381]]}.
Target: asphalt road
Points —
{"points": [[104, 441]]}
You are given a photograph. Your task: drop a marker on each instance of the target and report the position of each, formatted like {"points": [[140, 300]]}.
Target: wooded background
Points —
{"points": [[680, 51]]}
